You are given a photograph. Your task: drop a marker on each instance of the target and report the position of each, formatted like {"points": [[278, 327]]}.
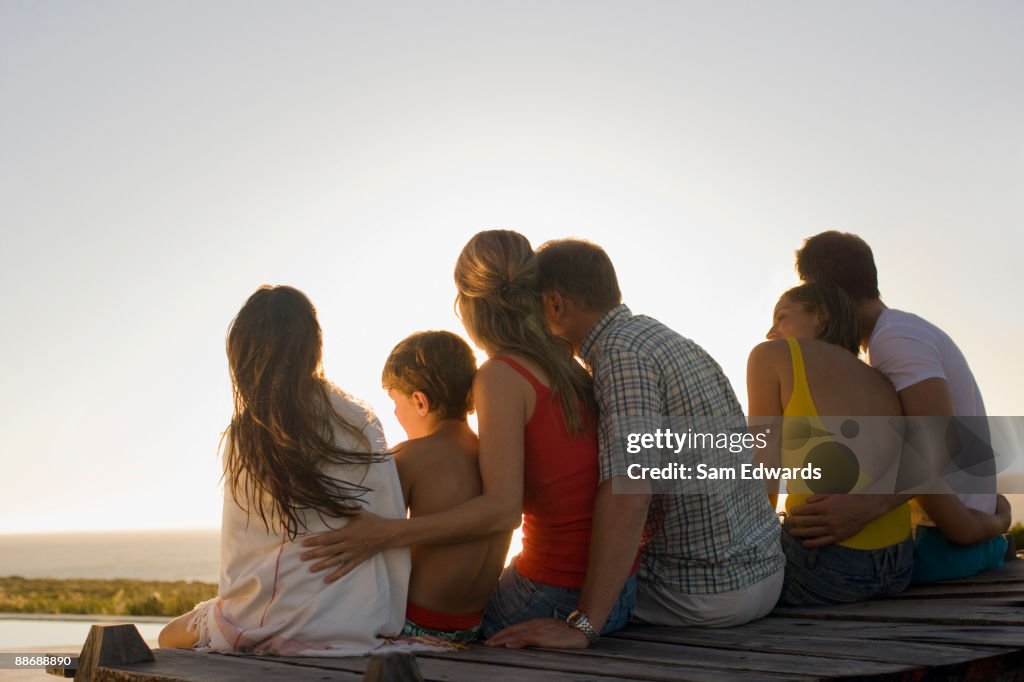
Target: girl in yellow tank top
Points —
{"points": [[799, 440], [878, 560]]}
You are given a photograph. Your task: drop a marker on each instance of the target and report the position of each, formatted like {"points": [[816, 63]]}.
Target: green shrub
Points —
{"points": [[1017, 531], [102, 597]]}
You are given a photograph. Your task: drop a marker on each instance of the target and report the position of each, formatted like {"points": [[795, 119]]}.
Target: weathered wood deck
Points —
{"points": [[970, 629]]}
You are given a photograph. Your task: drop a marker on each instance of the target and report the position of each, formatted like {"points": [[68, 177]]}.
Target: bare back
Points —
{"points": [[438, 472], [840, 383]]}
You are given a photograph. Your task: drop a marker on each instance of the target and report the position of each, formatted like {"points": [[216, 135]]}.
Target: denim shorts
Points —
{"points": [[839, 575], [517, 598]]}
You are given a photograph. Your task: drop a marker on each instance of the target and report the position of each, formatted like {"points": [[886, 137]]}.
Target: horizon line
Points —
{"points": [[134, 529]]}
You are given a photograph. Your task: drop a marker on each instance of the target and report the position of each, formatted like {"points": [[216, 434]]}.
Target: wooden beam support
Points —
{"points": [[111, 645], [398, 666]]}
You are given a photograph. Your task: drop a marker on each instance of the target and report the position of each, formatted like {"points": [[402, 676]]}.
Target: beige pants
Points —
{"points": [[661, 606]]}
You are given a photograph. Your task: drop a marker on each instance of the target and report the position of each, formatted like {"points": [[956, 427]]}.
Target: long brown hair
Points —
{"points": [[499, 301], [282, 432]]}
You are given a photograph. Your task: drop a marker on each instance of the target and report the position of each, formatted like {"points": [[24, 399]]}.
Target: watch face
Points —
{"points": [[577, 619]]}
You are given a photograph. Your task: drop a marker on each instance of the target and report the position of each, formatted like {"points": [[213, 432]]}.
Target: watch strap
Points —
{"points": [[578, 619]]}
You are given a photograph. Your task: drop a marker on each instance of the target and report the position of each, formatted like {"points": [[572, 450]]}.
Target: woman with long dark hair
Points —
{"points": [[300, 457]]}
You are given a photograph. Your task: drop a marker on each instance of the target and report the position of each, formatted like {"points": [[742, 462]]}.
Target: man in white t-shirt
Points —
{"points": [[930, 375], [919, 358]]}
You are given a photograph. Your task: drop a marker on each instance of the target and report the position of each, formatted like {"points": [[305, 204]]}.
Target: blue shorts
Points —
{"points": [[839, 575], [517, 598], [936, 558]]}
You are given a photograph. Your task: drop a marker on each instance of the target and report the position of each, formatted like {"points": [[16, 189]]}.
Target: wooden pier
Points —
{"points": [[969, 629]]}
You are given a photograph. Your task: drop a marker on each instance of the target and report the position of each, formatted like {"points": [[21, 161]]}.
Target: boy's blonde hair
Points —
{"points": [[438, 364]]}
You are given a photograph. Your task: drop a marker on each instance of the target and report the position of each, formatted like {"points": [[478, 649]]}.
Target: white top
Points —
{"points": [[269, 602], [908, 350]]}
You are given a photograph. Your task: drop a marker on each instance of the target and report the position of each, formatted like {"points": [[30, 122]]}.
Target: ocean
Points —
{"points": [[145, 555], [32, 633]]}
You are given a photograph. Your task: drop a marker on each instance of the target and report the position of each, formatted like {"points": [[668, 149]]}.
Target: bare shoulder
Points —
{"points": [[837, 370], [499, 375], [410, 450], [524, 361], [774, 353], [407, 462], [493, 369], [447, 442], [836, 361]]}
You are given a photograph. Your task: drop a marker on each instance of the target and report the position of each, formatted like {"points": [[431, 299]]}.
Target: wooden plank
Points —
{"points": [[967, 629], [191, 666], [719, 659], [982, 635], [962, 590], [1010, 600], [939, 612], [565, 664], [1012, 571], [665, 662], [455, 667], [187, 666], [905, 653]]}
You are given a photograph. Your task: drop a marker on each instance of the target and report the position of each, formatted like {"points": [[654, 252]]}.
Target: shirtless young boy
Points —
{"points": [[428, 376]]}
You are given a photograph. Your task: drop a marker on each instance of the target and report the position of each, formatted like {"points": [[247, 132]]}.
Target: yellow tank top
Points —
{"points": [[805, 436]]}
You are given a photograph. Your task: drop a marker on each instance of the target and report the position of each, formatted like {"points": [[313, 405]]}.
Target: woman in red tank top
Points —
{"points": [[538, 432]]}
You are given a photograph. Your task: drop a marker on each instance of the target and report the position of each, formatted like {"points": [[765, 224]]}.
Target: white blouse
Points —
{"points": [[269, 601]]}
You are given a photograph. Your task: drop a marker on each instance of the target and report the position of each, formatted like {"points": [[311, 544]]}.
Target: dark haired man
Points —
{"points": [[710, 559], [931, 377]]}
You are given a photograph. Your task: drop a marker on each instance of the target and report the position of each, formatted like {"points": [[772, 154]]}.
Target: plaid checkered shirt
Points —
{"points": [[695, 544]]}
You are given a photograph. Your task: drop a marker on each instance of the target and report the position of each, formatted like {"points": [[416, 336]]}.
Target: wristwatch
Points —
{"points": [[577, 619]]}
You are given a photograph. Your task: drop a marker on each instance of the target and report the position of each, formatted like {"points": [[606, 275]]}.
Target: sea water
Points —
{"points": [[142, 555], [29, 634]]}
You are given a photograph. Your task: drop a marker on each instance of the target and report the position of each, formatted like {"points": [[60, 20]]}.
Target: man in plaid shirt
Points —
{"points": [[709, 559]]}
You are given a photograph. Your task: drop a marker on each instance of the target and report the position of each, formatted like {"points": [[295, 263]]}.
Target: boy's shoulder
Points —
{"points": [[438, 446], [414, 448]]}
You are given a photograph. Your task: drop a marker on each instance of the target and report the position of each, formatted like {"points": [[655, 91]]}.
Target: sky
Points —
{"points": [[162, 160]]}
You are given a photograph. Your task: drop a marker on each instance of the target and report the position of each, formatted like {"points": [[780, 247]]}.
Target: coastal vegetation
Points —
{"points": [[102, 597], [1017, 531]]}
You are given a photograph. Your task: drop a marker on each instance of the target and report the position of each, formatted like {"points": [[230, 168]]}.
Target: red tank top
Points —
{"points": [[559, 486]]}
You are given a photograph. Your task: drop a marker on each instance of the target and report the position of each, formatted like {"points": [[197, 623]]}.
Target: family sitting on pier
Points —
{"points": [[334, 544]]}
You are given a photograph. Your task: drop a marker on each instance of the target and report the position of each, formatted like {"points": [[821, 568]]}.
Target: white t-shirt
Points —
{"points": [[908, 350]]}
